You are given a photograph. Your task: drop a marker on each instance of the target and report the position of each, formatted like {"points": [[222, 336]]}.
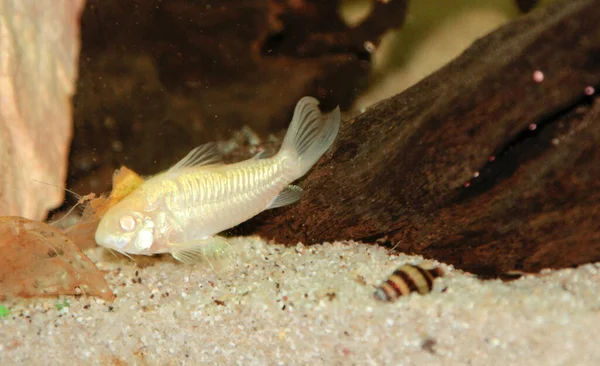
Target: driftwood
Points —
{"points": [[482, 165]]}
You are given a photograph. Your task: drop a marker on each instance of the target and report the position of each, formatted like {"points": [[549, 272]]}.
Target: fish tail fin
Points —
{"points": [[310, 134]]}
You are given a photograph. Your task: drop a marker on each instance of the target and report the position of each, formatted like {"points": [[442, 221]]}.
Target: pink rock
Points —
{"points": [[39, 48]]}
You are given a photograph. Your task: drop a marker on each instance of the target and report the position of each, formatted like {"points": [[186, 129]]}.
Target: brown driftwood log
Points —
{"points": [[478, 165]]}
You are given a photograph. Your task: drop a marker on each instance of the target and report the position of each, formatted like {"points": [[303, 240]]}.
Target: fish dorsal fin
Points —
{"points": [[206, 154], [288, 195]]}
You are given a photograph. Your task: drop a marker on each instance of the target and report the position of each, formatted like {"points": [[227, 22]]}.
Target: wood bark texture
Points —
{"points": [[482, 165]]}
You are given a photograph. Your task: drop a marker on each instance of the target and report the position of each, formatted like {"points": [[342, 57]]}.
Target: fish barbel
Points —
{"points": [[181, 211]]}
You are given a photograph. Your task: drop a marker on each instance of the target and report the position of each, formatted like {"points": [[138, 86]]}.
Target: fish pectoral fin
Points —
{"points": [[288, 195], [206, 154], [200, 250]]}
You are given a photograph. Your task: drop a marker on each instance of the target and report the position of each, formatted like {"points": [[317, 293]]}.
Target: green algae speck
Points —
{"points": [[61, 305], [4, 311]]}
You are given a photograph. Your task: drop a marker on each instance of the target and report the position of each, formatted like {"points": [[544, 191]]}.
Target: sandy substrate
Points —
{"points": [[274, 305]]}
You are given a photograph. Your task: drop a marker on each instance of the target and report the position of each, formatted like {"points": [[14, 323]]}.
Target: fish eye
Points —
{"points": [[127, 222]]}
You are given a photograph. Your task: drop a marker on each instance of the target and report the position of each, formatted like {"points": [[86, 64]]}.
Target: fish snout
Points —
{"points": [[107, 238]]}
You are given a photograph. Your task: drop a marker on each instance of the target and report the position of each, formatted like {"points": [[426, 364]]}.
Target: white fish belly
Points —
{"points": [[207, 200]]}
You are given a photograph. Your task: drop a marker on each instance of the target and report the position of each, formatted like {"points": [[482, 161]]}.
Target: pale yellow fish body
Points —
{"points": [[182, 210]]}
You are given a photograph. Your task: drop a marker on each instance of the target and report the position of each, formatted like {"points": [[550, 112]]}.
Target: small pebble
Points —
{"points": [[538, 76]]}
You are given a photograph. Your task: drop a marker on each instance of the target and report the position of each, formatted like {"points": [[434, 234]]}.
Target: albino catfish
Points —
{"points": [[181, 211]]}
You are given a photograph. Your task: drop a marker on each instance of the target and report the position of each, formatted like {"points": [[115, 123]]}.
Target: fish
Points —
{"points": [[406, 279], [182, 210]]}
